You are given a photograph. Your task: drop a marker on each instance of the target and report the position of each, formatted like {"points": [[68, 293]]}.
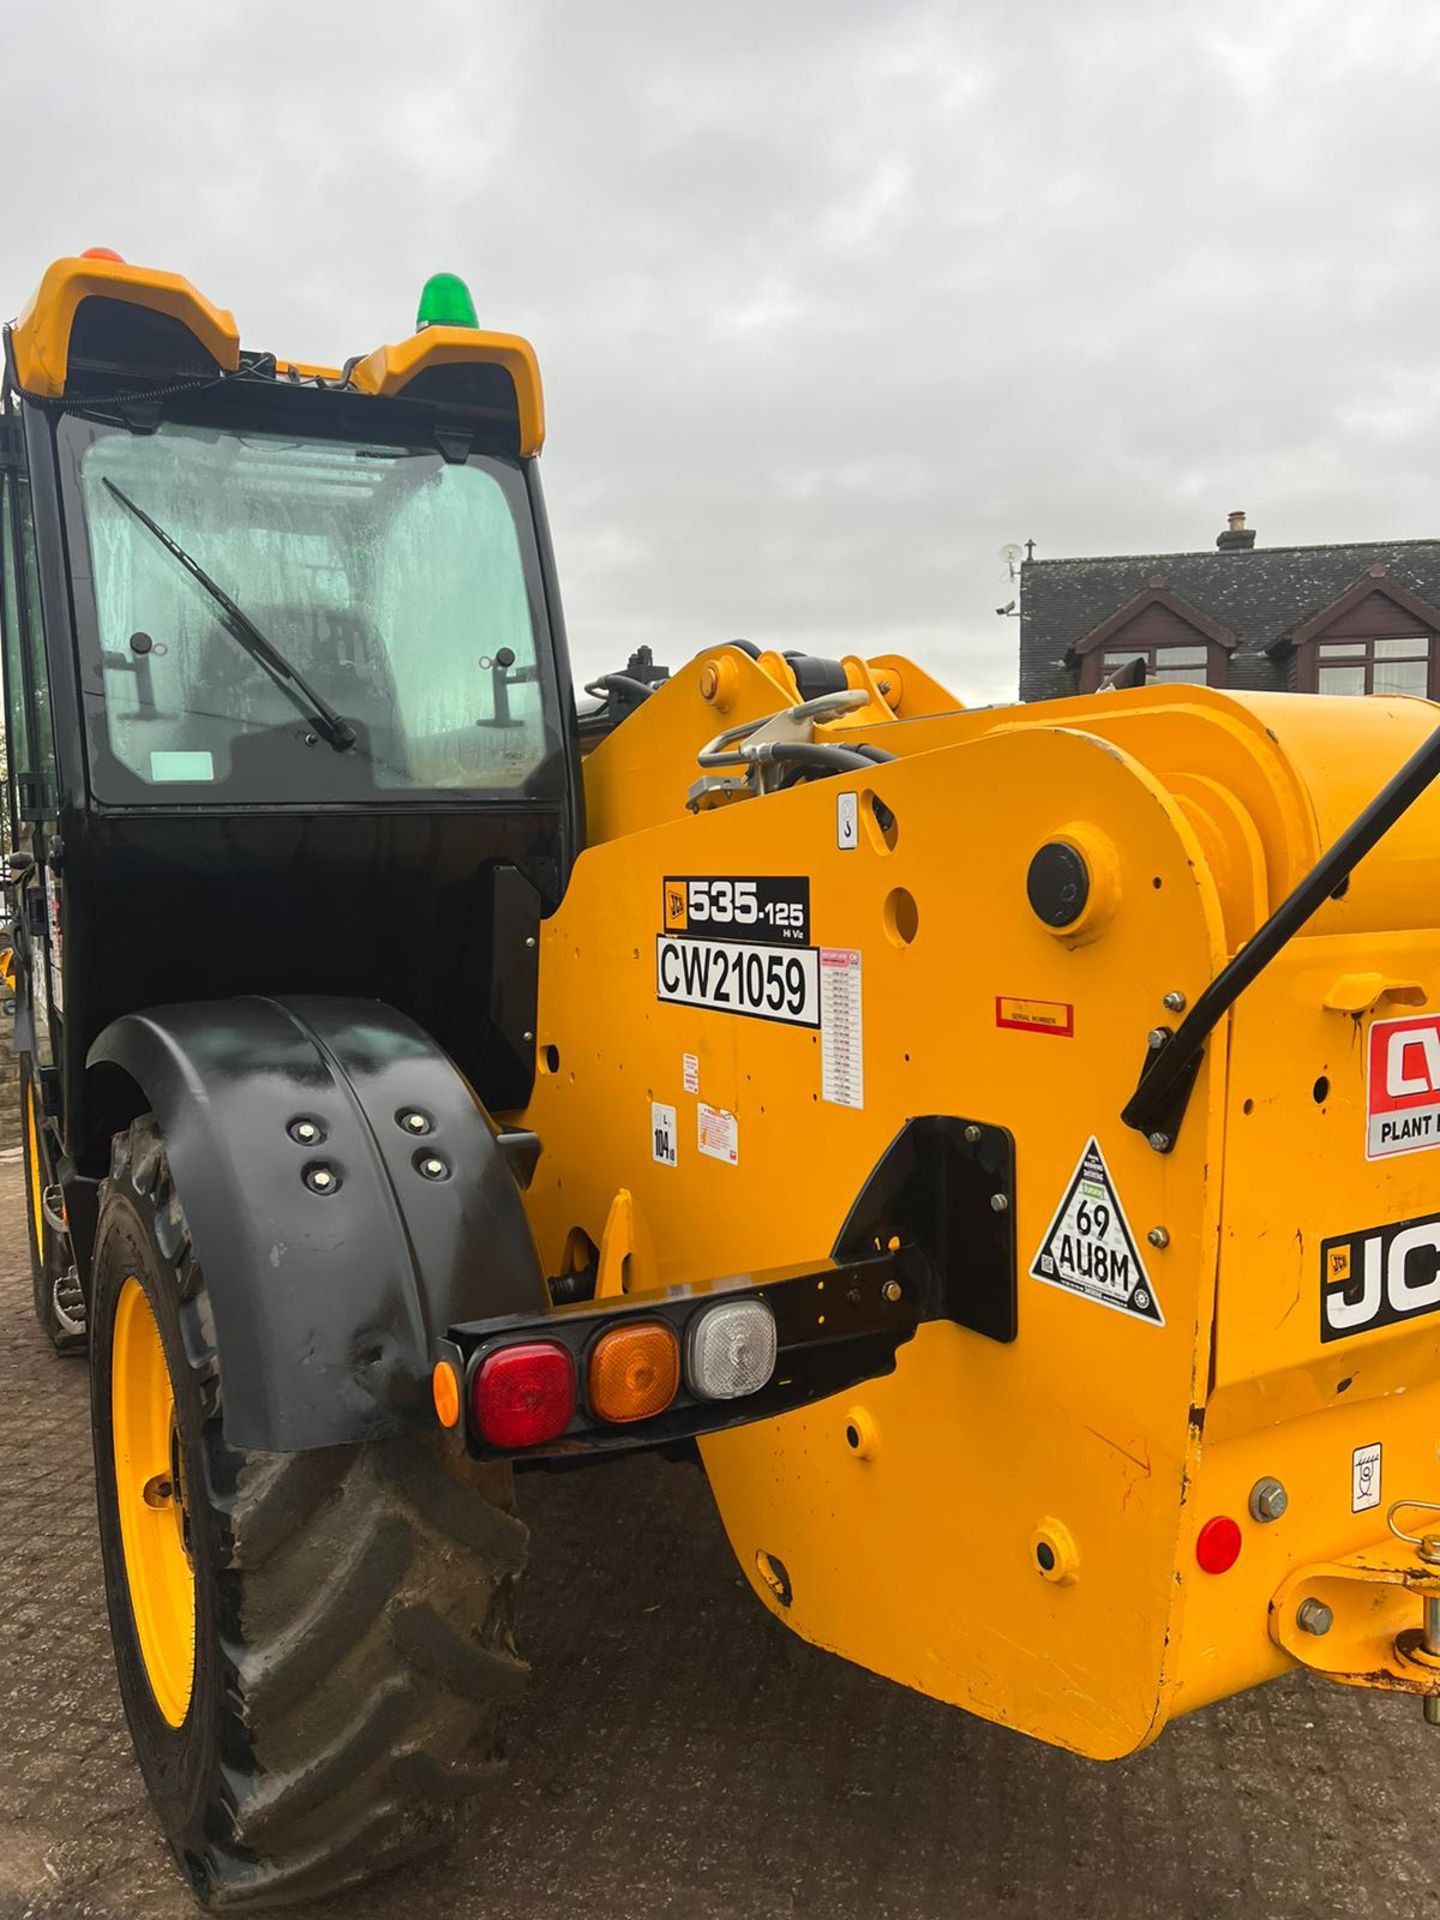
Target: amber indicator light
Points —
{"points": [[634, 1372], [445, 1390]]}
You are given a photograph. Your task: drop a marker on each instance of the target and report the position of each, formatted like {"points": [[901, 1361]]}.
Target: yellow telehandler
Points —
{"points": [[999, 1142]]}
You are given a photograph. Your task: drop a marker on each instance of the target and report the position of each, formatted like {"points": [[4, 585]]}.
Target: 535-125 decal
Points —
{"points": [[764, 908]]}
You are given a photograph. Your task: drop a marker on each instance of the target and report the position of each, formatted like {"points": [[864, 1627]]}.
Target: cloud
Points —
{"points": [[832, 299]]}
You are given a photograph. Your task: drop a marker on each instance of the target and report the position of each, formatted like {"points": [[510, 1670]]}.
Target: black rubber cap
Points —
{"points": [[1058, 884]]}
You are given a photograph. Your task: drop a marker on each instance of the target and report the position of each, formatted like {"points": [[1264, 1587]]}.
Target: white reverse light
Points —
{"points": [[730, 1350]]}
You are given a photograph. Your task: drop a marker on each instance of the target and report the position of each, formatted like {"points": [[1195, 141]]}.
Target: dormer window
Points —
{"points": [[1403, 665], [1169, 666], [1180, 645], [1376, 638]]}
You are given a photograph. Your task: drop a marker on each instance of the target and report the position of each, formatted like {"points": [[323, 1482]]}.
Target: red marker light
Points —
{"points": [[1217, 1545], [524, 1395], [103, 253]]}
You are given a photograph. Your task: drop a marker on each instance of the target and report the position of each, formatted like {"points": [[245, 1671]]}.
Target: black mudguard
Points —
{"points": [[325, 1303]]}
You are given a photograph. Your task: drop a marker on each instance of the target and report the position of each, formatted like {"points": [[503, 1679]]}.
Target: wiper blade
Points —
{"points": [[238, 624]]}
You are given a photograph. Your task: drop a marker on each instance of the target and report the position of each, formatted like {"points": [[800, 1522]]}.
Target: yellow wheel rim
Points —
{"points": [[150, 1493]]}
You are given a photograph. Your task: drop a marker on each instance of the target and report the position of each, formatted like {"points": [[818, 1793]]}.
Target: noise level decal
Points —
{"points": [[1089, 1248], [664, 1138]]}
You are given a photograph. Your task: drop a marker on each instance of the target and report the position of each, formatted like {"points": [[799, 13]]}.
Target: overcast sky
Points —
{"points": [[831, 300]]}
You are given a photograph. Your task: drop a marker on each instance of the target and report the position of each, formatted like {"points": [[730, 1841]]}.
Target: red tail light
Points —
{"points": [[524, 1395]]}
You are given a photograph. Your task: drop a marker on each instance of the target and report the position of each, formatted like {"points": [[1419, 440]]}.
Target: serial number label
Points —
{"points": [[732, 976], [760, 909]]}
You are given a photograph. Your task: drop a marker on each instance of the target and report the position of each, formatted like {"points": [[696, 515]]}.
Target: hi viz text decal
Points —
{"points": [[1379, 1277], [1402, 1086], [1089, 1248]]}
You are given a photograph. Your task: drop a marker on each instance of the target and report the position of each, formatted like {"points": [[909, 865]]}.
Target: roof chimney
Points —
{"points": [[1237, 537]]}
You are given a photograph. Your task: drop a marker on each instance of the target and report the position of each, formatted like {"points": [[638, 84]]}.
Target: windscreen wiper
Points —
{"points": [[291, 682]]}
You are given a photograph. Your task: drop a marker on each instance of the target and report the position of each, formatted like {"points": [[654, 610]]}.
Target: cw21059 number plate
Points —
{"points": [[735, 976]]}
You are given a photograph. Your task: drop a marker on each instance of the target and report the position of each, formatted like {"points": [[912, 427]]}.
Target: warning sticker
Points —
{"points": [[1402, 1086], [842, 1029], [664, 1144], [1365, 1478], [1089, 1248], [690, 1067], [718, 1134]]}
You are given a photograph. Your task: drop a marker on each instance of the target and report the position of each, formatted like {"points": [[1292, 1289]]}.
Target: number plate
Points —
{"points": [[733, 976], [767, 908]]}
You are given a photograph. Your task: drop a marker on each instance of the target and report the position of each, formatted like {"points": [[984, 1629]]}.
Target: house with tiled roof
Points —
{"points": [[1355, 619]]}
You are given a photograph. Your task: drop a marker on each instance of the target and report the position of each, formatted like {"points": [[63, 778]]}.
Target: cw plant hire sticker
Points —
{"points": [[1089, 1249]]}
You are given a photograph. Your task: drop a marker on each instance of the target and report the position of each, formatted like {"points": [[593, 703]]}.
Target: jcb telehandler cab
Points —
{"points": [[1003, 1140]]}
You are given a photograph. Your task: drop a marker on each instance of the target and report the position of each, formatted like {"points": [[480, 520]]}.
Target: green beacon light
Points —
{"points": [[445, 302]]}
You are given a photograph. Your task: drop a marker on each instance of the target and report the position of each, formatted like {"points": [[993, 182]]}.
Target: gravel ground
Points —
{"points": [[681, 1754]]}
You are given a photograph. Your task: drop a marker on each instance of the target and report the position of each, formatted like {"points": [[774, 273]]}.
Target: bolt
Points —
{"points": [[1158, 1237], [320, 1180], [1159, 1142], [529, 1036], [999, 1202], [1313, 1616], [415, 1122], [972, 1134], [709, 681], [1156, 1039], [1174, 1002], [433, 1167], [305, 1132], [891, 1291], [529, 939], [1268, 1499], [1429, 1550]]}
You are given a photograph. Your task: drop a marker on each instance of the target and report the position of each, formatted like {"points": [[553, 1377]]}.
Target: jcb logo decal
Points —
{"points": [[676, 918], [1379, 1277]]}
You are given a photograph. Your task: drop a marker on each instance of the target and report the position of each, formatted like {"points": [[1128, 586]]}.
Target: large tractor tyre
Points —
{"points": [[59, 1302], [314, 1648]]}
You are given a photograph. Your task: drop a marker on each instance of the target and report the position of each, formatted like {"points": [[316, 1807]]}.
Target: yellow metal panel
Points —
{"points": [[391, 369], [41, 336], [917, 1559], [907, 1514]]}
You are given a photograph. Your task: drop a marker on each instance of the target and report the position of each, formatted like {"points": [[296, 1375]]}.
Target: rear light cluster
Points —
{"points": [[526, 1394]]}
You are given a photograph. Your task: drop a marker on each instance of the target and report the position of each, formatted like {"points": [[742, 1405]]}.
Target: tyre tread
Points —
{"points": [[372, 1574]]}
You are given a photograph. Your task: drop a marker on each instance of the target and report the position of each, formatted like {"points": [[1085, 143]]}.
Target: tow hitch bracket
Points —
{"points": [[1371, 1619]]}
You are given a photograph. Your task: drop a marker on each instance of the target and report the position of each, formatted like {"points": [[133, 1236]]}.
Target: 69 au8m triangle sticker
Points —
{"points": [[1089, 1248]]}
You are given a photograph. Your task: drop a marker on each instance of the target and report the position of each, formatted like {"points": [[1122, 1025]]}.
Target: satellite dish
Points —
{"points": [[1010, 552]]}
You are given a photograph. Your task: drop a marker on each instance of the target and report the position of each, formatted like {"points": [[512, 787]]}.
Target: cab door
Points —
{"points": [[31, 784]]}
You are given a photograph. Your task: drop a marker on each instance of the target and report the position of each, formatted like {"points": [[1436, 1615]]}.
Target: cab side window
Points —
{"points": [[17, 727], [41, 732]]}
